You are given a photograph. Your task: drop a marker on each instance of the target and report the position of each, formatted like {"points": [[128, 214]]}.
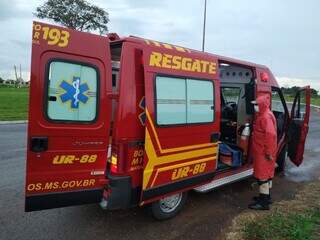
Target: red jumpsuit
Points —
{"points": [[264, 140]]}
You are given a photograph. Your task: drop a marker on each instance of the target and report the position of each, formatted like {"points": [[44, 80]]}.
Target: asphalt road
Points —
{"points": [[205, 216]]}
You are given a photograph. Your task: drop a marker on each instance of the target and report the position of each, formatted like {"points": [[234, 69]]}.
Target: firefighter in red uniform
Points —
{"points": [[264, 147]]}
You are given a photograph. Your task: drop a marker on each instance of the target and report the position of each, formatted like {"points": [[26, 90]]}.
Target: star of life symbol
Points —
{"points": [[74, 92]]}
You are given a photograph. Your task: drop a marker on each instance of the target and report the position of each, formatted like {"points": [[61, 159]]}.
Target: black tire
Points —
{"points": [[281, 161], [160, 211]]}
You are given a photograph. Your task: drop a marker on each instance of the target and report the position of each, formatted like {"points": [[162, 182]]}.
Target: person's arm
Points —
{"points": [[270, 138]]}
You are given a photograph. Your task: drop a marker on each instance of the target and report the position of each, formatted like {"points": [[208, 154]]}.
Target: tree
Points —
{"points": [[314, 93], [76, 14]]}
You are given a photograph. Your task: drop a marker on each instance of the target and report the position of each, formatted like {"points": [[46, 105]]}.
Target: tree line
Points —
{"points": [[291, 91]]}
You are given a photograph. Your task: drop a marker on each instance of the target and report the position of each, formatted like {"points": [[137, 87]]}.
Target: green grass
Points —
{"points": [[13, 103], [314, 100], [285, 227]]}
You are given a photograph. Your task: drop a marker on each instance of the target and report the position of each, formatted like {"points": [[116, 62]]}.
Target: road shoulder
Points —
{"points": [[13, 122]]}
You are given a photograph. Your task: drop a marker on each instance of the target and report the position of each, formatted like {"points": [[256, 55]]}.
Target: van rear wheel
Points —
{"points": [[168, 207]]}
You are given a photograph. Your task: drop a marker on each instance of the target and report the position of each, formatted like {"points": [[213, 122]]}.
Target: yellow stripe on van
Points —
{"points": [[191, 151], [171, 150]]}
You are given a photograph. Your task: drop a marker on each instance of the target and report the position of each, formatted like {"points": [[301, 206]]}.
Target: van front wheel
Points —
{"points": [[168, 207]]}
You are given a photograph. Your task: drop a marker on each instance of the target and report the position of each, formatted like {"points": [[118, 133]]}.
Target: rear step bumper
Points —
{"points": [[55, 200], [122, 195]]}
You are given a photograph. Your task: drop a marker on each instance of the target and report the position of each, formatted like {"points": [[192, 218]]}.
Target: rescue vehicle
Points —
{"points": [[128, 122]]}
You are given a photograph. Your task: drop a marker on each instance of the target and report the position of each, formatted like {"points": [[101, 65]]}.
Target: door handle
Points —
{"points": [[39, 144]]}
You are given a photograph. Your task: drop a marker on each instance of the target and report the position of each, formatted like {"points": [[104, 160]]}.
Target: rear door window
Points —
{"points": [[72, 92]]}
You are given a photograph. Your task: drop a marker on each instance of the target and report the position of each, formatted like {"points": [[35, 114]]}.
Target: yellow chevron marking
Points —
{"points": [[154, 160], [170, 150], [167, 46]]}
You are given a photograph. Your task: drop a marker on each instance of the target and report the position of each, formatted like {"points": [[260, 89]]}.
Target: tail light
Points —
{"points": [[116, 160], [114, 163]]}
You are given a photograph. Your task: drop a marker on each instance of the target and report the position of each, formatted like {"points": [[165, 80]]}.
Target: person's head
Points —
{"points": [[262, 103]]}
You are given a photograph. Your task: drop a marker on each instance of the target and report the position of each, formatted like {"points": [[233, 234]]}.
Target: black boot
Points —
{"points": [[262, 203], [256, 198]]}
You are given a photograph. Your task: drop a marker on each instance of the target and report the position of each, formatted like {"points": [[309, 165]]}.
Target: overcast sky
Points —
{"points": [[284, 35]]}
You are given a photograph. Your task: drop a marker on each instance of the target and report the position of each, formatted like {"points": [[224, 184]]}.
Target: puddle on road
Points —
{"points": [[308, 170]]}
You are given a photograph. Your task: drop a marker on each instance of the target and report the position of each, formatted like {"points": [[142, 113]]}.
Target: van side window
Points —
{"points": [[171, 100], [184, 101], [199, 101], [300, 109], [279, 110], [72, 92], [277, 105], [231, 94]]}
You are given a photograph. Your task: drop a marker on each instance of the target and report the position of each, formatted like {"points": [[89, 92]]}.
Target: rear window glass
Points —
{"points": [[72, 92]]}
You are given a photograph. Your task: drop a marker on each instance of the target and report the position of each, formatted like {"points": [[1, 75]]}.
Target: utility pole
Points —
{"points": [[204, 25]]}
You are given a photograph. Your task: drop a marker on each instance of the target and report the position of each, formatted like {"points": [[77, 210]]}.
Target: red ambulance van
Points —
{"points": [[130, 122]]}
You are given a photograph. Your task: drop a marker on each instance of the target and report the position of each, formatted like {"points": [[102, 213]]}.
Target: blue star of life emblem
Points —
{"points": [[74, 92]]}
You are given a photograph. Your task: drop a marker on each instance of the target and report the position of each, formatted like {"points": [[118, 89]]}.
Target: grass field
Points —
{"points": [[13, 103], [314, 101], [293, 219], [278, 226]]}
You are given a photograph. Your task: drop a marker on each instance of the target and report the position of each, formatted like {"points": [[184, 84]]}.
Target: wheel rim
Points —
{"points": [[169, 204]]}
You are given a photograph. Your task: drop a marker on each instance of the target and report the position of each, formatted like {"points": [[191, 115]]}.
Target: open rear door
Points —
{"points": [[299, 125], [69, 118]]}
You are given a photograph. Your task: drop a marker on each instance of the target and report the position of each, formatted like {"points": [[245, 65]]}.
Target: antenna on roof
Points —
{"points": [[15, 71], [204, 25], [20, 73]]}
